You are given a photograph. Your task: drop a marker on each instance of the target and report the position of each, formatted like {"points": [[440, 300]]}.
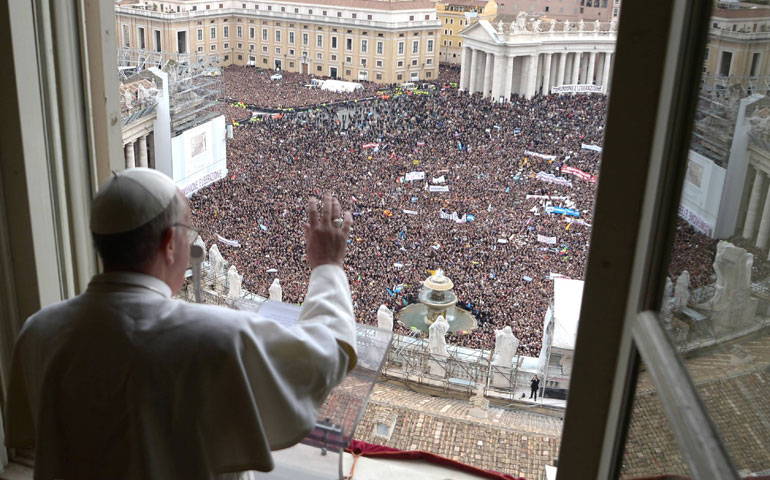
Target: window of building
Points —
{"points": [[339, 14], [291, 38], [226, 32], [252, 46], [252, 33], [239, 31], [400, 64], [399, 77], [428, 61], [264, 48], [378, 63], [126, 37], [428, 74], [725, 64], [264, 34], [414, 62], [400, 48], [319, 41], [213, 47], [319, 56], [240, 57], [264, 60], [333, 57], [283, 9], [415, 46], [278, 36], [364, 46], [200, 48], [380, 47], [353, 15], [348, 43], [291, 52], [226, 46], [348, 60], [213, 33], [427, 17], [269, 8], [754, 64], [240, 46], [323, 12], [277, 50], [334, 42], [140, 33], [368, 17], [411, 18], [305, 38], [319, 68]]}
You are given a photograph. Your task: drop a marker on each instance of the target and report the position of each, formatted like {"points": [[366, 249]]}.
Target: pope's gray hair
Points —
{"points": [[133, 249]]}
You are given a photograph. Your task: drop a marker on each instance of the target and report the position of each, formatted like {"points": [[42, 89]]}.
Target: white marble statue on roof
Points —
{"points": [[275, 291], [732, 307], [437, 336], [666, 304], [552, 27], [597, 25], [521, 22], [199, 241], [566, 25], [500, 27], [234, 284], [506, 345], [384, 318], [682, 290], [613, 25], [581, 25], [536, 25], [216, 265]]}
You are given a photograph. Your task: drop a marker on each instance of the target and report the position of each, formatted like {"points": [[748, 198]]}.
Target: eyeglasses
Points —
{"points": [[192, 232]]}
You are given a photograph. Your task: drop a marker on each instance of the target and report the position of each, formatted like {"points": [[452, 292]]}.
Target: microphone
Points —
{"points": [[196, 260]]}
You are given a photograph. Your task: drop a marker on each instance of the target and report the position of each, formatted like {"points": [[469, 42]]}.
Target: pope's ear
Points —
{"points": [[167, 244]]}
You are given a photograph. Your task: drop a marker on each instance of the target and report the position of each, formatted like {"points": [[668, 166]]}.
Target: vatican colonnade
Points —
{"points": [[530, 57]]}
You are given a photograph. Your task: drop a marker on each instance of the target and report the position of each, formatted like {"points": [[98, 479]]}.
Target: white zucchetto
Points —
{"points": [[129, 199]]}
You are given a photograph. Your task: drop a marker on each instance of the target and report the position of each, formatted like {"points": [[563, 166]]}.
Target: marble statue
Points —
{"points": [[521, 21], [597, 25], [501, 27], [613, 25], [665, 307], [436, 336], [234, 284], [506, 345], [536, 26], [384, 318], [552, 27], [581, 25], [216, 265], [566, 25], [682, 291], [732, 306], [275, 291]]}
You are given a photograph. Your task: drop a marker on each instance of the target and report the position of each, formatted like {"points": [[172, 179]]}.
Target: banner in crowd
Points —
{"points": [[411, 176], [539, 155], [562, 211], [578, 221], [370, 145], [232, 243], [453, 216], [595, 148], [546, 197], [553, 276], [410, 212], [578, 173], [440, 179], [438, 188], [551, 178], [548, 240], [580, 88]]}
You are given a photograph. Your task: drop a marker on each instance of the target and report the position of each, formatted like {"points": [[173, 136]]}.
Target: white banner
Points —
{"points": [[548, 240], [551, 178], [539, 155], [595, 148], [411, 176], [438, 188], [410, 212], [440, 179], [577, 89], [453, 216], [232, 243], [546, 197]]}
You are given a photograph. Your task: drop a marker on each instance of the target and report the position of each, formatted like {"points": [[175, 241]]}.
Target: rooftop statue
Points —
{"points": [[275, 291], [234, 284], [506, 345], [384, 318], [436, 337]]}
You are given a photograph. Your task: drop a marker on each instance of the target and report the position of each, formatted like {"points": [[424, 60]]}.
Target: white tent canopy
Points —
{"points": [[341, 87], [567, 298]]}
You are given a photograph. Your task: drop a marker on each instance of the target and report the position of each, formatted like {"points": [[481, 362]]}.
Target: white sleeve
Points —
{"points": [[328, 302]]}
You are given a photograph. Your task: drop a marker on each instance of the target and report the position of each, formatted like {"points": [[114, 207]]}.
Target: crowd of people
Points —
{"points": [[497, 166]]}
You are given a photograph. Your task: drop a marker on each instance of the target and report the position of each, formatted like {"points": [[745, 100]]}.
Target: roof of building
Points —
{"points": [[368, 4], [740, 13], [464, 3]]}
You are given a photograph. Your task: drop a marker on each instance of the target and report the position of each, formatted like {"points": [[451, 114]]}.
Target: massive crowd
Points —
{"points": [[494, 159]]}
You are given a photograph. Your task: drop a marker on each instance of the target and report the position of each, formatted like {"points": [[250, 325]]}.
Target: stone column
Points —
{"points": [[764, 225], [547, 73], [142, 146], [606, 73], [129, 150], [473, 76], [488, 73], [562, 69], [529, 90], [465, 68], [499, 78], [151, 150], [509, 79], [591, 67], [752, 212], [576, 68]]}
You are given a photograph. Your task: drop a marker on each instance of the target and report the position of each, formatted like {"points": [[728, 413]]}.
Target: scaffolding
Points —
{"points": [[194, 82]]}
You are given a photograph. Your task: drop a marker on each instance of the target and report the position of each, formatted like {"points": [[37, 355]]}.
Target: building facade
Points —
{"points": [[455, 15], [530, 57], [738, 50], [572, 10], [356, 40]]}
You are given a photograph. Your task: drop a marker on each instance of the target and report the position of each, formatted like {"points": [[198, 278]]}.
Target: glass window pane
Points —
{"points": [[716, 298]]}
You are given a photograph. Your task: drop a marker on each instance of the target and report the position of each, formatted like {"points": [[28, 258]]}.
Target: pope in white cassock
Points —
{"points": [[124, 382]]}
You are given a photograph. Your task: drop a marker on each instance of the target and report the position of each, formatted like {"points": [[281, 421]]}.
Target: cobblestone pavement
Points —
{"points": [[515, 442]]}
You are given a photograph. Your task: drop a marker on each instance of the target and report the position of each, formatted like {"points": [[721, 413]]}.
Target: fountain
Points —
{"points": [[436, 299]]}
